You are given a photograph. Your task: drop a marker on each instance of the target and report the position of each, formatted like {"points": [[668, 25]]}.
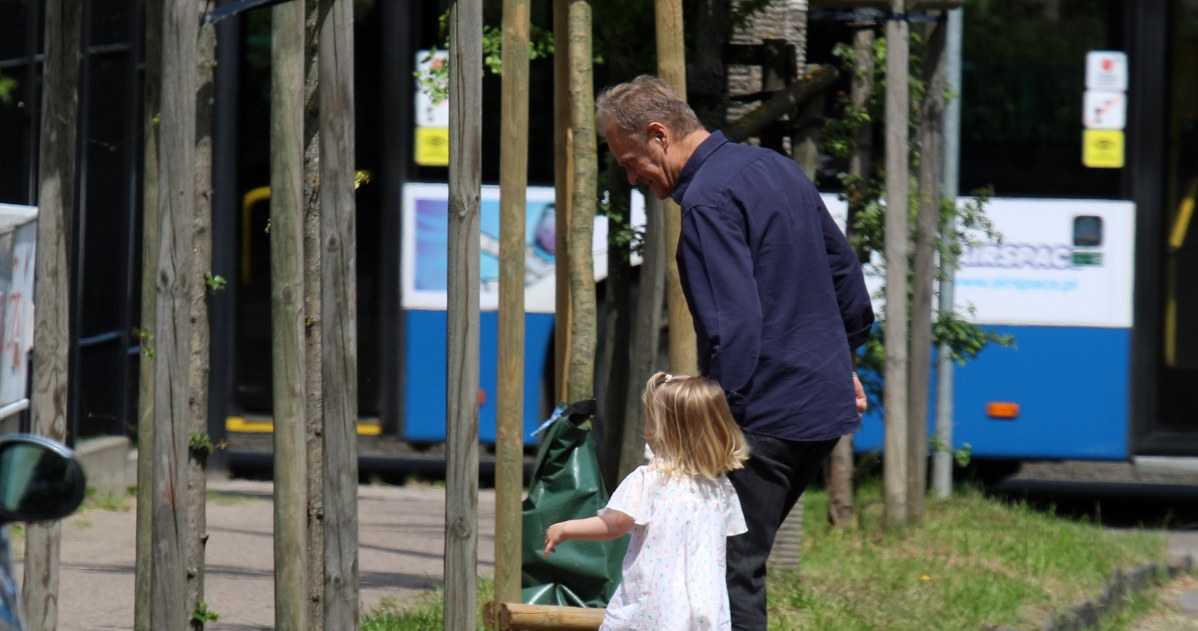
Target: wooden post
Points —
{"points": [[671, 67], [338, 298], [465, 185], [839, 469], [617, 330], [513, 182], [51, 365], [172, 348], [646, 331], [313, 355], [581, 369], [149, 261], [563, 176], [927, 228], [199, 441], [897, 172], [287, 314]]}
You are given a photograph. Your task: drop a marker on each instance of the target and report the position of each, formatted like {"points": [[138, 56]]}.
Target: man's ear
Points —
{"points": [[658, 132]]}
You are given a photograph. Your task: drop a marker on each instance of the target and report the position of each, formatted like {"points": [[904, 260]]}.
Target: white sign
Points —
{"points": [[1059, 263], [1104, 109], [1106, 70], [425, 260]]}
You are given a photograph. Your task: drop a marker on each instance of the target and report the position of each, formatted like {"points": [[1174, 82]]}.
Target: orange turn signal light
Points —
{"points": [[1002, 409]]}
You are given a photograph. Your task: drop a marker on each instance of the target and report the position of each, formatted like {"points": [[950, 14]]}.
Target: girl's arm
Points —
{"points": [[609, 525]]}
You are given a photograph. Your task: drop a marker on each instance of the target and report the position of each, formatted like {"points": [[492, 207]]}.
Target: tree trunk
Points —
{"points": [[52, 335], [513, 184], [287, 314], [563, 174], [338, 299], [176, 212], [313, 379], [709, 79], [646, 334], [145, 332], [931, 121], [199, 441], [581, 368], [617, 333], [897, 249], [671, 67], [465, 183], [839, 469]]}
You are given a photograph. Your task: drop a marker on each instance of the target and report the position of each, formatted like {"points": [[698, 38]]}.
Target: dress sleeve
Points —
{"points": [[734, 517], [634, 496]]}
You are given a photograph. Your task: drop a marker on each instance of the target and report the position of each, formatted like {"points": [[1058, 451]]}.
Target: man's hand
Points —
{"points": [[862, 402]]}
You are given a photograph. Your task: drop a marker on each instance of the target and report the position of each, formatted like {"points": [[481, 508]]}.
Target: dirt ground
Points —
{"points": [[400, 554]]}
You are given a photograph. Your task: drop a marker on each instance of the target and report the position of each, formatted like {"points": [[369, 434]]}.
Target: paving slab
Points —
{"points": [[400, 554]]}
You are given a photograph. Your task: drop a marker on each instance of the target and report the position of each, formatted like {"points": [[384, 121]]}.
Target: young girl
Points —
{"points": [[680, 509]]}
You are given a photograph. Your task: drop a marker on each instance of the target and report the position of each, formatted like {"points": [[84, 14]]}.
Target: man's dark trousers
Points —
{"points": [[774, 477]]}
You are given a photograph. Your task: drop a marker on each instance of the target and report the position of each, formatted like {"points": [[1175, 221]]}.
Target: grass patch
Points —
{"points": [[224, 498], [423, 614], [105, 500], [974, 563]]}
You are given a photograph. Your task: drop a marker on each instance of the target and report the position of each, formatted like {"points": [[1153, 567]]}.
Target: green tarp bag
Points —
{"points": [[566, 484]]}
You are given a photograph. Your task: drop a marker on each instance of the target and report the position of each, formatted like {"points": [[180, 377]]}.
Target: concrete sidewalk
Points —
{"points": [[400, 554]]}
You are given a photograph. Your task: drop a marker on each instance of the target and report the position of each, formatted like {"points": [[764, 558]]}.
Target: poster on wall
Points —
{"points": [[426, 247]]}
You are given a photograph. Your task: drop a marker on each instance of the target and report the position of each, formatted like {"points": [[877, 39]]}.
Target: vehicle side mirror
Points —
{"points": [[40, 479]]}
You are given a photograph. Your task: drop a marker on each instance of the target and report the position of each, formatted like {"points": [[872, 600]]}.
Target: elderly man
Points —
{"points": [[778, 299]]}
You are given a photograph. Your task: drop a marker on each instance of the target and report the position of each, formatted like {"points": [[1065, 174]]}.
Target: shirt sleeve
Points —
{"points": [[722, 293], [734, 516], [852, 296], [634, 496]]}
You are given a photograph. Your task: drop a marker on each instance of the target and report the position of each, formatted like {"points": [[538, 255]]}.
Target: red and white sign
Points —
{"points": [[1106, 70]]}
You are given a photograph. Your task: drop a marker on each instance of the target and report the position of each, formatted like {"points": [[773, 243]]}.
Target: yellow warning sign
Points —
{"points": [[1102, 148], [432, 146]]}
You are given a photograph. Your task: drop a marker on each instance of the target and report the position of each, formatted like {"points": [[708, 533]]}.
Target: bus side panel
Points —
{"points": [[1071, 385], [425, 367]]}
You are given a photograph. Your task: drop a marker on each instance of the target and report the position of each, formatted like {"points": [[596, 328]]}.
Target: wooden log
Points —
{"points": [[172, 322], [51, 362], [520, 617], [462, 315], [338, 300], [897, 175], [287, 315], [513, 180], [563, 185], [671, 67]]}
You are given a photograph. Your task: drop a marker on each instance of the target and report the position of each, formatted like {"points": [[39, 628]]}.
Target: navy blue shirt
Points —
{"points": [[777, 294]]}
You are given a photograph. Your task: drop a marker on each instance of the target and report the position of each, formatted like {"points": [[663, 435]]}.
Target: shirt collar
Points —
{"points": [[701, 153]]}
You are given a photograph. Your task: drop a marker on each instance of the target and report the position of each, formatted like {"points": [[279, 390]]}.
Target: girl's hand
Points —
{"points": [[553, 536]]}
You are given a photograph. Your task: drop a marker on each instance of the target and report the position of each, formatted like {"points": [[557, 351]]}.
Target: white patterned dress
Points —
{"points": [[674, 569]]}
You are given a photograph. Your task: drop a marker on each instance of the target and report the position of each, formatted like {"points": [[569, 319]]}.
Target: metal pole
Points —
{"points": [[942, 462]]}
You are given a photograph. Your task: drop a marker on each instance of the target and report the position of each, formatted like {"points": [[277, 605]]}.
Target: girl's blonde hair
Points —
{"points": [[690, 428]]}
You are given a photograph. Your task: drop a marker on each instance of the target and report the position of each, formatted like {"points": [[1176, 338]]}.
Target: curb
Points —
{"points": [[1090, 614]]}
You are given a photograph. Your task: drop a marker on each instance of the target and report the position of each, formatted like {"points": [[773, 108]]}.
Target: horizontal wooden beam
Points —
{"points": [[520, 617], [912, 5]]}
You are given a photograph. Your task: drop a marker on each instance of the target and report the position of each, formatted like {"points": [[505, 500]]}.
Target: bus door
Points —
{"points": [[1176, 423]]}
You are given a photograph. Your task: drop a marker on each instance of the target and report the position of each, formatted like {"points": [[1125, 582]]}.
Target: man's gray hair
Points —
{"points": [[646, 99]]}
